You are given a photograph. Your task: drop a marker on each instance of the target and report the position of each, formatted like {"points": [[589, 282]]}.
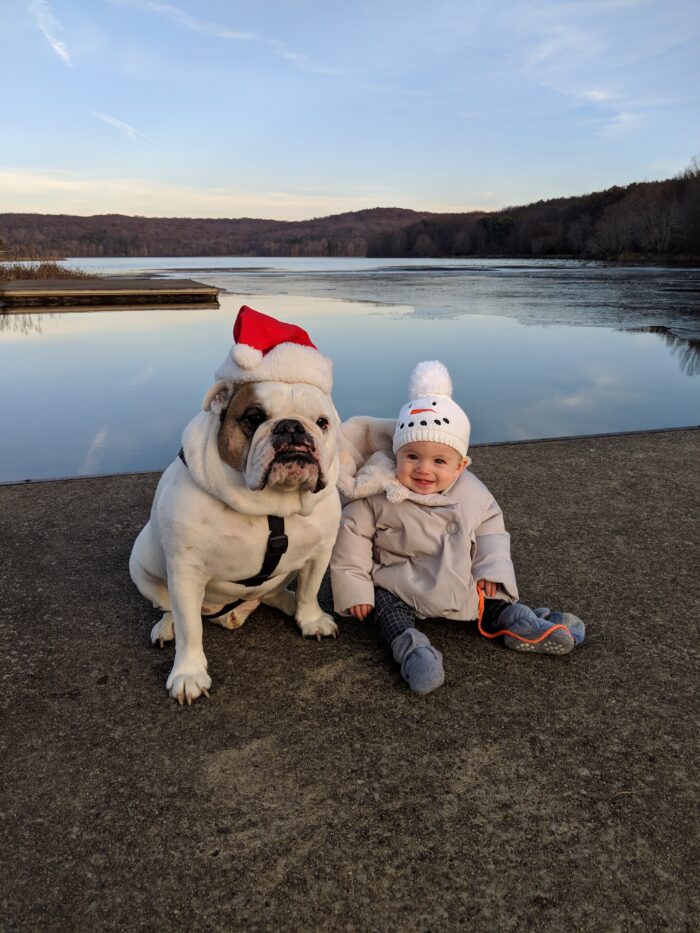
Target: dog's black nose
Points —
{"points": [[289, 426]]}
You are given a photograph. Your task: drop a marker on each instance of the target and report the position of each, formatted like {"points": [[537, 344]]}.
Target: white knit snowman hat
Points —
{"points": [[431, 415], [268, 350]]}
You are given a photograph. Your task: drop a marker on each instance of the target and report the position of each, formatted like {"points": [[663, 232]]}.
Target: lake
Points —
{"points": [[535, 349]]}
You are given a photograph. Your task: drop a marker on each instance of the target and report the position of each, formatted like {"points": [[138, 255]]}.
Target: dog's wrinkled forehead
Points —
{"points": [[282, 399], [277, 399]]}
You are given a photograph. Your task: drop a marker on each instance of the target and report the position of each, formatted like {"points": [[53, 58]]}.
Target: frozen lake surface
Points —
{"points": [[535, 350]]}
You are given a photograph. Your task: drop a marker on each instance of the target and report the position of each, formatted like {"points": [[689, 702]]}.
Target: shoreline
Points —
{"points": [[475, 446], [689, 262]]}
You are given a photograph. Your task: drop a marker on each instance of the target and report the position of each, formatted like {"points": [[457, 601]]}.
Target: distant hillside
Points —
{"points": [[647, 219], [55, 235]]}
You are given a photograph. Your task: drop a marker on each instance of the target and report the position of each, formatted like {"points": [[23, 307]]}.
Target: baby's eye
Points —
{"points": [[440, 462], [411, 457]]}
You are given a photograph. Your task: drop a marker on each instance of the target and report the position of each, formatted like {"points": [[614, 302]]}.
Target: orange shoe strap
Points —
{"points": [[504, 631]]}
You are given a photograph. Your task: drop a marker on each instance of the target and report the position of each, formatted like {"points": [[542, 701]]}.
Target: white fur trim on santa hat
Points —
{"points": [[430, 377], [287, 362]]}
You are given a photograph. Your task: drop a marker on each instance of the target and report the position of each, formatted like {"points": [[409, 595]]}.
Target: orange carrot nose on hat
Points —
{"points": [[268, 350], [431, 415]]}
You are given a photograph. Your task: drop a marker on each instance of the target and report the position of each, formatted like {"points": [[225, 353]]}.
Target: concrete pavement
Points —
{"points": [[313, 791]]}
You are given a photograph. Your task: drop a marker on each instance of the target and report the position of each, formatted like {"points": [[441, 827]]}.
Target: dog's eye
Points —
{"points": [[252, 418], [322, 423]]}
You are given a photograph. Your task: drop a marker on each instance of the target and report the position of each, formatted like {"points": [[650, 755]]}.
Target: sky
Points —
{"points": [[291, 109]]}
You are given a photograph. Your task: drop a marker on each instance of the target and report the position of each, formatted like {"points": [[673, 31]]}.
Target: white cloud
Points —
{"points": [[49, 25], [303, 62], [598, 95], [95, 453], [595, 6], [572, 401], [52, 192], [561, 49], [124, 128], [197, 25], [141, 377], [622, 121], [176, 15]]}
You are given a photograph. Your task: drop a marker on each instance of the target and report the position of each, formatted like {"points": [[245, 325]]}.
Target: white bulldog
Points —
{"points": [[250, 503]]}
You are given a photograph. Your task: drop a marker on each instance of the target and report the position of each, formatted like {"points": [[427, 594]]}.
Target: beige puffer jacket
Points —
{"points": [[426, 549]]}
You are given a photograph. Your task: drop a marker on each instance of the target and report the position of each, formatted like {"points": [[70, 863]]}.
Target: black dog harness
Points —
{"points": [[277, 544]]}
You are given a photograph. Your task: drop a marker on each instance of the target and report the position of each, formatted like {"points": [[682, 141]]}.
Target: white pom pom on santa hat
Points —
{"points": [[246, 356], [430, 378]]}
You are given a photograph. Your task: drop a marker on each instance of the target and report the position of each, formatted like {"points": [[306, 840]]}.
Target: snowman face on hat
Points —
{"points": [[433, 418]]}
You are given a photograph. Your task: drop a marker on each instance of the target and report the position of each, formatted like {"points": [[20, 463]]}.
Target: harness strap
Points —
{"points": [[222, 612], [277, 544]]}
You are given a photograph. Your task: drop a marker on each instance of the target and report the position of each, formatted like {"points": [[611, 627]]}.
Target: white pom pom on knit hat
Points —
{"points": [[430, 376], [431, 414], [268, 350]]}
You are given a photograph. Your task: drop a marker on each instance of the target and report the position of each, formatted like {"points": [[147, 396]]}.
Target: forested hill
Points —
{"points": [[654, 219], [52, 235]]}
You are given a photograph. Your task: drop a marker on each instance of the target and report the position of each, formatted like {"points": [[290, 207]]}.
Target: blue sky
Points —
{"points": [[298, 108]]}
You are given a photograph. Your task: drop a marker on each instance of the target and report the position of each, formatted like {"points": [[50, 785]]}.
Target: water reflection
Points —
{"points": [[121, 386], [686, 351], [21, 323]]}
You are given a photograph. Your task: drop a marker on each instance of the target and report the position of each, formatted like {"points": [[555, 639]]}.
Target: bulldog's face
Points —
{"points": [[276, 434]]}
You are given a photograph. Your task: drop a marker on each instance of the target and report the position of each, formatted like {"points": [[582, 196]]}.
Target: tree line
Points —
{"points": [[645, 219], [59, 235]]}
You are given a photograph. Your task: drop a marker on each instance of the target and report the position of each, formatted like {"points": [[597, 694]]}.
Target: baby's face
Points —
{"points": [[425, 466]]}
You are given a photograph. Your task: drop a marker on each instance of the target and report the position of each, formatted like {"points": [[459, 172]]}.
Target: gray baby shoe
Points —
{"points": [[568, 619], [532, 633], [421, 664]]}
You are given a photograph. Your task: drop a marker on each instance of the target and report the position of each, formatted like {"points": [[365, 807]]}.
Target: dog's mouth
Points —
{"points": [[295, 465], [290, 453]]}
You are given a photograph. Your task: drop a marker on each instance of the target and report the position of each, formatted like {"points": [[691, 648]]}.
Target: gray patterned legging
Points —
{"points": [[393, 616]]}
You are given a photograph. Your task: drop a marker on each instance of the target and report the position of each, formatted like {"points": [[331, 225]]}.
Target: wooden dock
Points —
{"points": [[104, 294]]}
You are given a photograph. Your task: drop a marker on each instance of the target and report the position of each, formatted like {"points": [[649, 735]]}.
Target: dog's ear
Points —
{"points": [[218, 397]]}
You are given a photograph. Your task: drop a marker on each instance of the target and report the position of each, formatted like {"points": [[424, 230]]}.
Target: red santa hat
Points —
{"points": [[268, 350]]}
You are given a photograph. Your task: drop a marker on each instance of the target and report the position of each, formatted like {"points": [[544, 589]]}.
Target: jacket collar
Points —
{"points": [[378, 475]]}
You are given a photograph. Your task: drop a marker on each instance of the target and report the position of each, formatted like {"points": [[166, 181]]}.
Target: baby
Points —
{"points": [[424, 538]]}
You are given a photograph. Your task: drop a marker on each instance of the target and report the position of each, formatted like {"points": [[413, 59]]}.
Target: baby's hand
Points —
{"points": [[360, 612], [488, 586]]}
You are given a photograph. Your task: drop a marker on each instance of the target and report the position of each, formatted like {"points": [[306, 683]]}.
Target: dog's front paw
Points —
{"points": [[319, 627], [164, 630], [187, 681]]}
